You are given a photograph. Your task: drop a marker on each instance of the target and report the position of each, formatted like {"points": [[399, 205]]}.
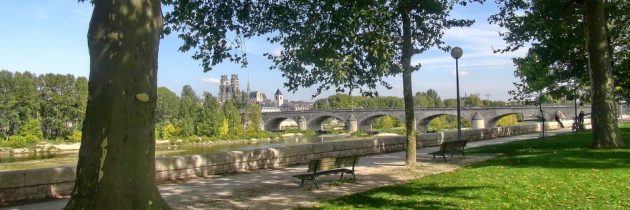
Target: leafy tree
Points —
{"points": [[224, 127], [507, 120], [473, 100], [116, 168], [188, 110], [255, 116], [346, 45], [385, 122], [428, 99], [211, 116], [233, 117], [167, 107], [451, 102], [169, 131], [6, 113], [59, 108], [568, 37], [26, 98]]}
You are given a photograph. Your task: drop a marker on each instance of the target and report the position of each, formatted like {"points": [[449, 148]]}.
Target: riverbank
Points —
{"points": [[275, 189]]}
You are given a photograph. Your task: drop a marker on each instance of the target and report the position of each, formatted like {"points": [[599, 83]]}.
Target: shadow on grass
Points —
{"points": [[561, 151], [423, 196]]}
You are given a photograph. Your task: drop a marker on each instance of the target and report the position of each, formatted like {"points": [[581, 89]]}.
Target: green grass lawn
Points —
{"points": [[559, 172]]}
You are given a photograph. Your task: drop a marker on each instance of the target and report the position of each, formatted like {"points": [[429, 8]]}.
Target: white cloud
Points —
{"points": [[212, 81], [276, 52]]}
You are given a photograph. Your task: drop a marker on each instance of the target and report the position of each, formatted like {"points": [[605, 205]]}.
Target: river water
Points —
{"points": [[53, 159]]}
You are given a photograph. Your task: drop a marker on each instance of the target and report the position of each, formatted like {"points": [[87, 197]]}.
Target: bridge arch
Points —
{"points": [[274, 123], [423, 124], [366, 123], [317, 122], [492, 122]]}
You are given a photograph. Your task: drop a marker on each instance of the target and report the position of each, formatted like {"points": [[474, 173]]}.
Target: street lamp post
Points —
{"points": [[457, 53]]}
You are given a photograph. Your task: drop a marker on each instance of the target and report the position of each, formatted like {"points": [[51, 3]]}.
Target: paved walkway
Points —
{"points": [[276, 189]]}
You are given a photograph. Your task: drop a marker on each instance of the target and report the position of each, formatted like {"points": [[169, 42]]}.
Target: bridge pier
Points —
{"points": [[478, 122], [301, 123], [351, 124]]}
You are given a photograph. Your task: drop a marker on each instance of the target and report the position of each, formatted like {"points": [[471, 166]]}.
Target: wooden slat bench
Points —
{"points": [[324, 166], [450, 147]]}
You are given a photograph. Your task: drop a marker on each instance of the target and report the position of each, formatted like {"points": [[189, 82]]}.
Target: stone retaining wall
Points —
{"points": [[58, 182]]}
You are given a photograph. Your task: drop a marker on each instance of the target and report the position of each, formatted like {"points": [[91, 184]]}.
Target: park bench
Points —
{"points": [[331, 165], [450, 147]]}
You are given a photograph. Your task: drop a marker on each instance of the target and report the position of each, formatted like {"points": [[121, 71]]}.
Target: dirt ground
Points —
{"points": [[276, 189]]}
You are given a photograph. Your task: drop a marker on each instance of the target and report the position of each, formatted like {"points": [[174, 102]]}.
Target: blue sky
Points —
{"points": [[44, 36]]}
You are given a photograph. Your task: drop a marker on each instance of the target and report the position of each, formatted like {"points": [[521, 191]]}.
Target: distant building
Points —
{"points": [[229, 90], [279, 98], [298, 105], [257, 97]]}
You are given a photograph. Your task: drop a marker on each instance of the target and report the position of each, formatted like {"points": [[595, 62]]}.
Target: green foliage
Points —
{"points": [[19, 141], [386, 122], [508, 120], [224, 128], [188, 110], [75, 136], [62, 98], [167, 105], [428, 99], [560, 172], [472, 100], [233, 117], [28, 135], [446, 122], [31, 128], [565, 71], [19, 101], [451, 102], [169, 131]]}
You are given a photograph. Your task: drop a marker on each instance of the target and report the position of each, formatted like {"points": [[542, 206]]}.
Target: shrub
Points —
{"points": [[20, 141], [169, 131], [31, 128], [75, 136]]}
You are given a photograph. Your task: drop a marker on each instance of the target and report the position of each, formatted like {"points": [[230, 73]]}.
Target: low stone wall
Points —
{"points": [[57, 182]]}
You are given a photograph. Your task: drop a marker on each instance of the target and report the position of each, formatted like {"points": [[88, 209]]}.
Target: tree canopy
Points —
{"points": [[576, 46], [344, 45]]}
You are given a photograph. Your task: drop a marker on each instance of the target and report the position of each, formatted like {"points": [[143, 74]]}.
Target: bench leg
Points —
{"points": [[301, 184], [433, 156], [444, 156]]}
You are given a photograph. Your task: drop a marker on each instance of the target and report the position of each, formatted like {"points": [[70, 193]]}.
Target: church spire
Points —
{"points": [[248, 90]]}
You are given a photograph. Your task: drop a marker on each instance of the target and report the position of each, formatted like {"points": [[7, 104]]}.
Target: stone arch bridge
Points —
{"points": [[481, 117]]}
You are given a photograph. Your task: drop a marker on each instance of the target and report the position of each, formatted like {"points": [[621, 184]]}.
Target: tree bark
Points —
{"points": [[606, 132], [410, 121], [116, 168]]}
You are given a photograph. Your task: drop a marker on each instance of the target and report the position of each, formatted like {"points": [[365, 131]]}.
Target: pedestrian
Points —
{"points": [[580, 119], [557, 117]]}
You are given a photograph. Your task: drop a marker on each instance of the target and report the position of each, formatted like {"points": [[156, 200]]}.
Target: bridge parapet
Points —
{"points": [[365, 117]]}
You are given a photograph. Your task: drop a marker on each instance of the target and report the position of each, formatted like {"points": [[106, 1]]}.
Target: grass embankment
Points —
{"points": [[560, 172]]}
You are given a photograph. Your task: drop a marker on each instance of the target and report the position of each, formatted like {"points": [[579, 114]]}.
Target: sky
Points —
{"points": [[49, 36]]}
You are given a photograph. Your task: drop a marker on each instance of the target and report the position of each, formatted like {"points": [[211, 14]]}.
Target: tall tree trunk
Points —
{"points": [[116, 168], [604, 109], [410, 120]]}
